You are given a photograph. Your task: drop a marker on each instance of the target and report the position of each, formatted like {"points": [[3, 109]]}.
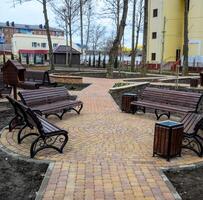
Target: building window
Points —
{"points": [[55, 45], [34, 44], [43, 45], [155, 12], [153, 56], [154, 35]]}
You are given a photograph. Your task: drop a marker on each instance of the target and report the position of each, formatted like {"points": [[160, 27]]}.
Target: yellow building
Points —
{"points": [[166, 31]]}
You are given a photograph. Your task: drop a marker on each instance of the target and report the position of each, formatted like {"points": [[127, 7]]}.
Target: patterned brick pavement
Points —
{"points": [[108, 155]]}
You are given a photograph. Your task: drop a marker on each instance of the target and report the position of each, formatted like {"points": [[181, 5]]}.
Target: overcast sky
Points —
{"points": [[31, 13]]}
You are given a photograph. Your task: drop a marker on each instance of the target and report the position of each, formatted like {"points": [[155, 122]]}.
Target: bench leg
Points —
{"points": [[21, 138], [41, 143], [16, 121], [193, 143], [55, 114], [158, 116]]}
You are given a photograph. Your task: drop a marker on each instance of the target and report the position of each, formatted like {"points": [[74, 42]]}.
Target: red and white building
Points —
{"points": [[33, 49]]}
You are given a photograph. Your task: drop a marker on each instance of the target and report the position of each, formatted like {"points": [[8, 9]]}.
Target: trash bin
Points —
{"points": [[168, 139], [127, 98]]}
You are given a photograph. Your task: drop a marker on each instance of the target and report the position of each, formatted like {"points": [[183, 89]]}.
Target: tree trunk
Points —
{"points": [[113, 54], [81, 27], [99, 60], [144, 48], [67, 52], [88, 31], [138, 28], [48, 35], [185, 47], [133, 38], [71, 45], [70, 32]]}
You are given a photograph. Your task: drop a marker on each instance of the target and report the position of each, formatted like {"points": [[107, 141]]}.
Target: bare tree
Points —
{"points": [[185, 46], [145, 35], [133, 36], [44, 4], [89, 17], [114, 50], [68, 12], [112, 10], [137, 23], [97, 35]]}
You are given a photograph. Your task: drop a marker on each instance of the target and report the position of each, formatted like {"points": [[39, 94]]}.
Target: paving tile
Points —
{"points": [[108, 155]]}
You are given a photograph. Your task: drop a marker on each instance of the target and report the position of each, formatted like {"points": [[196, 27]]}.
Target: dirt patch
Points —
{"points": [[188, 183], [19, 179]]}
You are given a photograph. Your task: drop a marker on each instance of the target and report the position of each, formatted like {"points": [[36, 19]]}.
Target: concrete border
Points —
{"points": [[174, 169]]}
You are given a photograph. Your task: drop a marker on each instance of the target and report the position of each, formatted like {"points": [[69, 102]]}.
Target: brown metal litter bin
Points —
{"points": [[168, 139], [127, 98]]}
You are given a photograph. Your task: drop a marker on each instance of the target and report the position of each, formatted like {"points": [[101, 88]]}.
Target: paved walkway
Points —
{"points": [[108, 155]]}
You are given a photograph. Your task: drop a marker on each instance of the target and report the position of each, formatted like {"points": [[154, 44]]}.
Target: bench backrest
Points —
{"points": [[192, 122], [17, 110], [27, 114], [43, 96], [172, 97], [34, 75]]}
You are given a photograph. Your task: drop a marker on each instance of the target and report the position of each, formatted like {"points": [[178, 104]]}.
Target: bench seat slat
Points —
{"points": [[57, 106], [162, 106]]}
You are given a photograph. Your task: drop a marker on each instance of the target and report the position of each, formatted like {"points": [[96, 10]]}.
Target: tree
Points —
{"points": [[90, 62], [137, 23], [113, 54], [113, 10], [133, 36], [99, 59], [67, 13], [145, 35], [185, 46], [89, 16], [44, 4], [81, 26], [97, 34]]}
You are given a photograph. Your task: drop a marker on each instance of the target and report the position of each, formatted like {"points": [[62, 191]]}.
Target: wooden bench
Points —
{"points": [[40, 77], [51, 101], [4, 89], [48, 135], [167, 101], [193, 140]]}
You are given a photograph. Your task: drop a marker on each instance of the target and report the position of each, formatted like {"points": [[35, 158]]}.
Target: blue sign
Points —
{"points": [[2, 39]]}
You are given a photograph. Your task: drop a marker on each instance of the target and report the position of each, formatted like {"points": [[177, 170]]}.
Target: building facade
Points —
{"points": [[166, 32], [33, 49], [27, 42], [7, 30]]}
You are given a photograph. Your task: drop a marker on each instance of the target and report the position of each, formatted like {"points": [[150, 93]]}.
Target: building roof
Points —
{"points": [[26, 26], [64, 49]]}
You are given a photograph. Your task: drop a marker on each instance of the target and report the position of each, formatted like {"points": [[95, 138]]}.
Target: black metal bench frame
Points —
{"points": [[44, 140], [192, 138]]}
